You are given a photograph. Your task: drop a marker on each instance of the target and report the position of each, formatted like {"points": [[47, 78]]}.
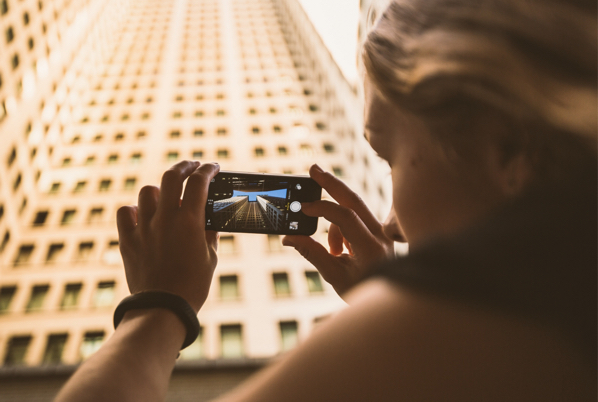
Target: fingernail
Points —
{"points": [[317, 168], [216, 163]]}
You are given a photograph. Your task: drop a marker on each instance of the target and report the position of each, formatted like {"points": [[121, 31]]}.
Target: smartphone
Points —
{"points": [[261, 203]]}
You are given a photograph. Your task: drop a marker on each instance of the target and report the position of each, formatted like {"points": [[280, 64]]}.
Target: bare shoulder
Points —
{"points": [[398, 344]]}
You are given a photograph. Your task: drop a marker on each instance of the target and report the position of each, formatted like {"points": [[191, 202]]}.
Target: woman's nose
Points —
{"points": [[392, 229]]}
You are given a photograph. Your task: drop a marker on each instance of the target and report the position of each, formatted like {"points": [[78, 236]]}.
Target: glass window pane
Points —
{"points": [[104, 294], [36, 300], [91, 343], [314, 282], [71, 295], [16, 350], [288, 335], [195, 350], [54, 348], [6, 295], [226, 245], [281, 284], [231, 341], [229, 287]]}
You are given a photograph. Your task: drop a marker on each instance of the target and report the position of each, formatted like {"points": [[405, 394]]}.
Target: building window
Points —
{"points": [[314, 282], [37, 297], [68, 216], [112, 159], [90, 160], [24, 254], [141, 135], [5, 241], [95, 215], [320, 126], [54, 348], [221, 131], [40, 218], [70, 298], [17, 182], [85, 249], [288, 335], [104, 294], [6, 295], [15, 61], [282, 288], [119, 137], [220, 112], [338, 171], [54, 188], [80, 186], [16, 350], [135, 159], [277, 129], [175, 134], [130, 183], [10, 35], [197, 154], [25, 19], [229, 287], [255, 130], [172, 156], [92, 341], [226, 245], [222, 153], [195, 350], [3, 7], [282, 150], [111, 255], [199, 113], [306, 149], [258, 152], [177, 115], [54, 251], [328, 148], [198, 132], [231, 341], [105, 185]]}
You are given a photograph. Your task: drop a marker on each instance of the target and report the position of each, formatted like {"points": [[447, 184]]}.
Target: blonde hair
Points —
{"points": [[531, 61]]}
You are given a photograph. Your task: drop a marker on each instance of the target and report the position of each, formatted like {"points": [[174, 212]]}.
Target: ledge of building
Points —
{"points": [[61, 370]]}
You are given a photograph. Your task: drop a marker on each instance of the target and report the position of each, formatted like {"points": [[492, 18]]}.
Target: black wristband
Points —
{"points": [[157, 299]]}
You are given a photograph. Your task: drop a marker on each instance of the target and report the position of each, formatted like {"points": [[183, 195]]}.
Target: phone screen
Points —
{"points": [[261, 203]]}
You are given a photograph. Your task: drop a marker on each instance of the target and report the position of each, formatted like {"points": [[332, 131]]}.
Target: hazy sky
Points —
{"points": [[337, 23]]}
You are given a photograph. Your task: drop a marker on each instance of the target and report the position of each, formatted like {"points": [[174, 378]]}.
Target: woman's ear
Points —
{"points": [[513, 173]]}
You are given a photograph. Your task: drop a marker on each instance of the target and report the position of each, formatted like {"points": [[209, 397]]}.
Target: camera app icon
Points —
{"points": [[294, 226]]}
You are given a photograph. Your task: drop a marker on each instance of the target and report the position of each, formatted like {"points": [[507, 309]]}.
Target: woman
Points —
{"points": [[486, 112]]}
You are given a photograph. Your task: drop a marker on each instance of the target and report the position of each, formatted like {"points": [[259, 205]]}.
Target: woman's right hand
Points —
{"points": [[353, 225]]}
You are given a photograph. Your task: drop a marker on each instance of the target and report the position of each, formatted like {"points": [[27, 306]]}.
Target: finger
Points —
{"points": [[335, 240], [148, 203], [196, 192], [126, 220], [350, 224], [345, 197], [212, 238], [315, 253], [172, 185]]}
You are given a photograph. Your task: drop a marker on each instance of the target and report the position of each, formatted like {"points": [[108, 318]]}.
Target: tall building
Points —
{"points": [[98, 98]]}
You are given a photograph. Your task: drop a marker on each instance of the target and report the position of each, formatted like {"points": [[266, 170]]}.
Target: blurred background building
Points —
{"points": [[97, 99]]}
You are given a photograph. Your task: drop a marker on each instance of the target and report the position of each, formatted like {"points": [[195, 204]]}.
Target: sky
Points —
{"points": [[337, 23], [252, 195]]}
